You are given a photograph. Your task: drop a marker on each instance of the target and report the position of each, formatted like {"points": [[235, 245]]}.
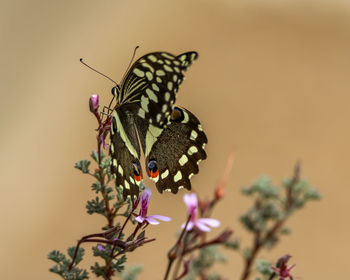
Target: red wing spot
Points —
{"points": [[153, 174], [138, 178], [137, 172]]}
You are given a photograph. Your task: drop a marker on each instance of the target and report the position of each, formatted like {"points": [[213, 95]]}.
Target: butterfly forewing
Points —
{"points": [[153, 82]]}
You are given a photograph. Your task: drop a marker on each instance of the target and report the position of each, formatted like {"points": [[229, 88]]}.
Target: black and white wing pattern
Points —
{"points": [[171, 137], [125, 152], [152, 83], [173, 153]]}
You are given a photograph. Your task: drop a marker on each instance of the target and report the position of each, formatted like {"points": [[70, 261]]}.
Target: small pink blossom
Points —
{"points": [[101, 248], [94, 103], [145, 198], [202, 224]]}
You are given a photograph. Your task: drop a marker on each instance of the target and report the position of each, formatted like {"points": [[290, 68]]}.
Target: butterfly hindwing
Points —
{"points": [[125, 153], [174, 152], [153, 82]]}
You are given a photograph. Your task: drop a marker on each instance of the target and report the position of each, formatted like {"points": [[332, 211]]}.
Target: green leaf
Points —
{"points": [[118, 264], [94, 155], [83, 165], [62, 265], [96, 206]]}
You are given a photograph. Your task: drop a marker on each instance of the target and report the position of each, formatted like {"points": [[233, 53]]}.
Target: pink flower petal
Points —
{"points": [[209, 222], [202, 226], [152, 221], [140, 219], [191, 200], [160, 217], [189, 226]]}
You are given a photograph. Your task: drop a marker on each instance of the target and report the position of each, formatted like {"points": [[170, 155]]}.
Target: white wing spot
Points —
{"points": [[167, 96], [190, 176], [194, 135], [167, 62], [168, 190], [159, 80], [155, 87], [160, 61], [186, 117], [174, 78], [192, 150], [120, 170], [126, 184], [148, 66], [199, 161], [144, 103], [158, 117], [164, 108], [151, 137], [164, 174], [167, 68], [112, 148], [155, 179], [200, 128], [178, 176], [181, 187], [132, 180], [177, 69], [115, 162], [152, 58], [183, 160], [203, 146], [183, 57], [170, 86], [151, 95], [167, 56], [139, 73], [160, 73], [141, 113], [176, 62], [193, 56], [149, 76]]}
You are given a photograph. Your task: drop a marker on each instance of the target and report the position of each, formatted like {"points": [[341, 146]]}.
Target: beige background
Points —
{"points": [[271, 84]]}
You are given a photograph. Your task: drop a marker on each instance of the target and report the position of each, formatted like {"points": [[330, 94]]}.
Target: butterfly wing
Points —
{"points": [[152, 83], [125, 153], [174, 152]]}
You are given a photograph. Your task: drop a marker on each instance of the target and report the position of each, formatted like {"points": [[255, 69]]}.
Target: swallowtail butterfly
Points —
{"points": [[171, 137]]}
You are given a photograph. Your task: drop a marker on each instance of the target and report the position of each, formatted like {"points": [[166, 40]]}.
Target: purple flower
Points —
{"points": [[202, 224], [144, 198], [101, 248], [94, 103]]}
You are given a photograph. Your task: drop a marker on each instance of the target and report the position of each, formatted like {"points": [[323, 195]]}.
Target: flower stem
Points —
{"points": [[173, 252]]}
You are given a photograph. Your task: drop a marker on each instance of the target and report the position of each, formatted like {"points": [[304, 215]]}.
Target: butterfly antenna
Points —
{"points": [[81, 60], [132, 58]]}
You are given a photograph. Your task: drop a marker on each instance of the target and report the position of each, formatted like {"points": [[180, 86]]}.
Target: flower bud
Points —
{"points": [[219, 192], [94, 103]]}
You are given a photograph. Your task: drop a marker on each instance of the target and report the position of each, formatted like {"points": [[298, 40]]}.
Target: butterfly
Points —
{"points": [[171, 137]]}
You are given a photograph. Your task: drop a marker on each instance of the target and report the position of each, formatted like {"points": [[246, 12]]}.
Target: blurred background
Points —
{"points": [[271, 84]]}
